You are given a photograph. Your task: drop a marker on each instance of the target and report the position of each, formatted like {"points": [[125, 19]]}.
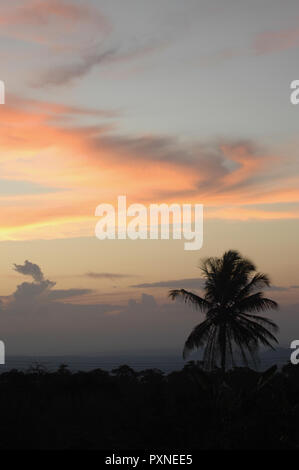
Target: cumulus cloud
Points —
{"points": [[147, 301], [36, 320], [40, 292], [30, 269], [31, 290], [39, 321]]}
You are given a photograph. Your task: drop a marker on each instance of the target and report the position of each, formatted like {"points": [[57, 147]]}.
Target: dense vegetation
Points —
{"points": [[189, 409]]}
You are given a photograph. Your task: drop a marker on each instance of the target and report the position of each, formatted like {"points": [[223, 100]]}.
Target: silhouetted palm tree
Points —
{"points": [[231, 301]]}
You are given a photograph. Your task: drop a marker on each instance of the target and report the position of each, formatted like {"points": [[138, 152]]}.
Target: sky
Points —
{"points": [[164, 102]]}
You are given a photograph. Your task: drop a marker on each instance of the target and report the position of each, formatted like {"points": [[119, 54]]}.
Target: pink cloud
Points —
{"points": [[275, 41], [92, 164], [37, 12]]}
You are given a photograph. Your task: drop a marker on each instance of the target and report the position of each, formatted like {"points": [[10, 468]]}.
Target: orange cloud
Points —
{"points": [[43, 143]]}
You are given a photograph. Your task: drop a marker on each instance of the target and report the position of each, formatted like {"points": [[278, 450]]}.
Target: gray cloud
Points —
{"points": [[192, 283], [207, 159], [66, 73], [213, 161], [146, 301], [70, 70], [31, 291], [276, 288], [223, 166], [40, 292], [111, 276], [30, 269], [37, 322], [59, 294], [67, 328]]}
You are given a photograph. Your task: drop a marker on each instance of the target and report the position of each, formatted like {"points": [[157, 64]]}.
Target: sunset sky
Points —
{"points": [[161, 101]]}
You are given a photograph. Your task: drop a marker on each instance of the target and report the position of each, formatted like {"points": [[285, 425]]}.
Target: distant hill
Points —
{"points": [[166, 360]]}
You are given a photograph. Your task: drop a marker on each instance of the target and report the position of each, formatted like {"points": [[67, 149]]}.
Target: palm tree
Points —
{"points": [[231, 302]]}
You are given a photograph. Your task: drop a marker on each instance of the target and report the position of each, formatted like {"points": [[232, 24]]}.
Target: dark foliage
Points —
{"points": [[125, 409]]}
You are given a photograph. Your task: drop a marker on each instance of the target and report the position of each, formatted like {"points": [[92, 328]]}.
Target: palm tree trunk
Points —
{"points": [[223, 347], [223, 359]]}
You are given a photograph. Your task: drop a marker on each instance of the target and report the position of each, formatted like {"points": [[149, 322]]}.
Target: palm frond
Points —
{"points": [[197, 337], [259, 280], [256, 303], [189, 298], [258, 331], [263, 321]]}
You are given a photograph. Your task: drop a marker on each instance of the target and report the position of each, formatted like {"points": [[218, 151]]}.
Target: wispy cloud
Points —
{"points": [[277, 288], [44, 21], [66, 73], [263, 43], [35, 12], [78, 36], [110, 276], [276, 41], [188, 283], [101, 54], [59, 294], [192, 283], [14, 187], [56, 111], [88, 164]]}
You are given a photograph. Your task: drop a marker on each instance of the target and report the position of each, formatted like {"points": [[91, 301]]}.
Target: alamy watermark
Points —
{"points": [[2, 353], [294, 356], [294, 96], [158, 221]]}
